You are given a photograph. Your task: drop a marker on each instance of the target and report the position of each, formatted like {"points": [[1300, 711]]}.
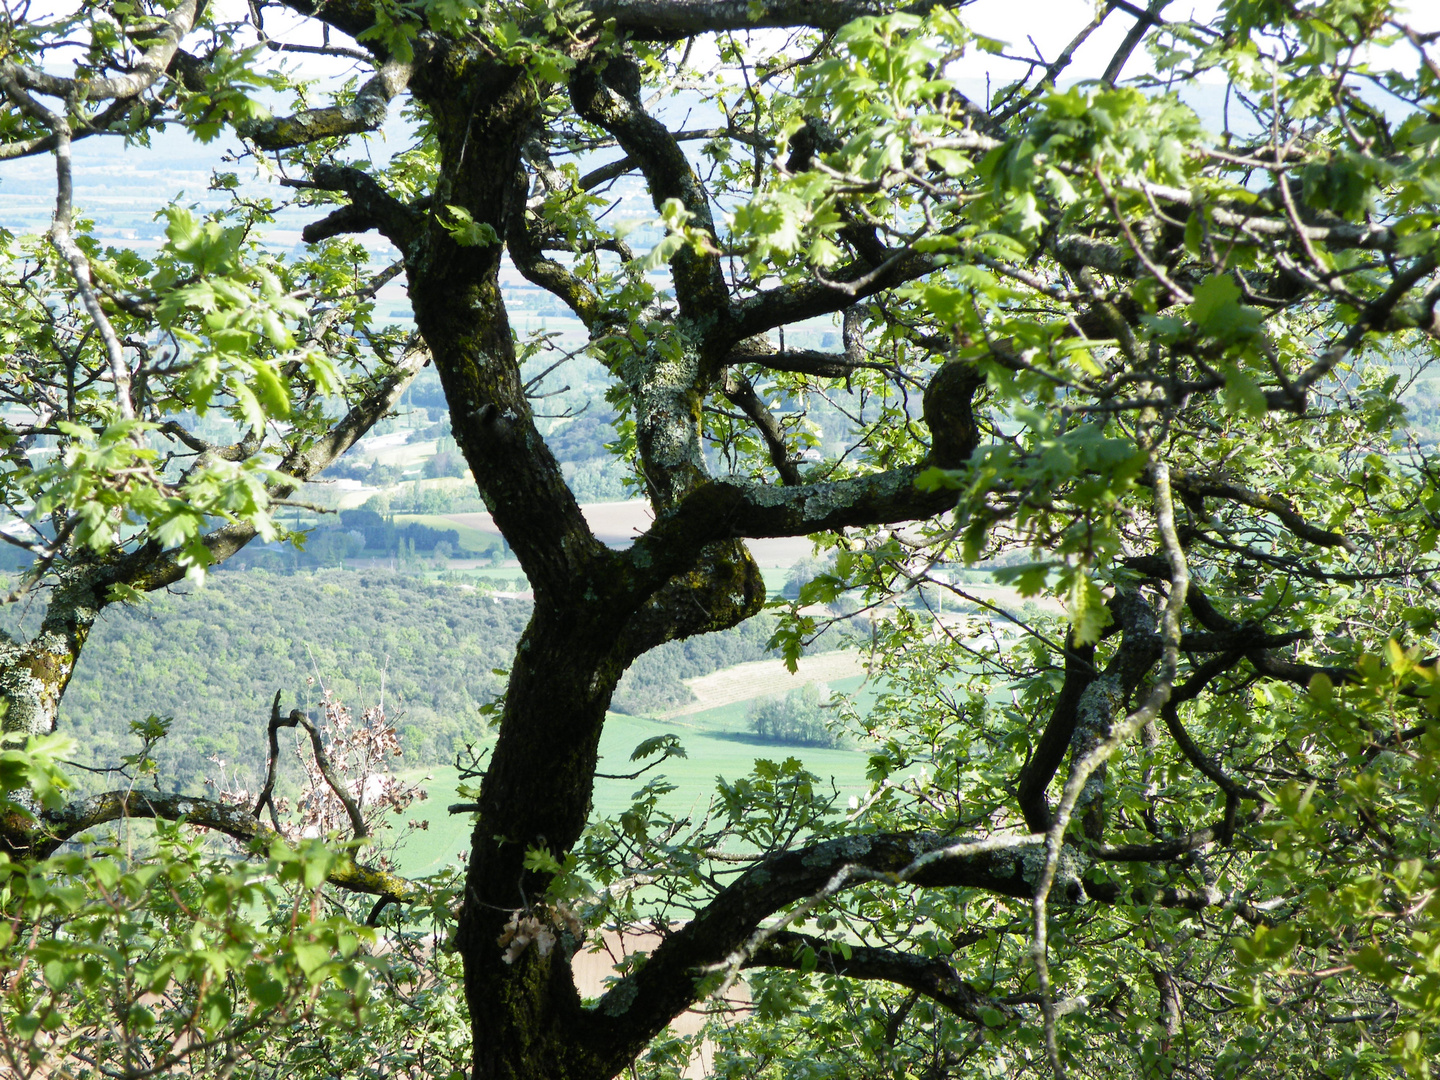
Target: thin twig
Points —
{"points": [[322, 762]]}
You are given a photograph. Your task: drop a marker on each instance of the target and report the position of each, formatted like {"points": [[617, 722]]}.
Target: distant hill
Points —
{"points": [[213, 658]]}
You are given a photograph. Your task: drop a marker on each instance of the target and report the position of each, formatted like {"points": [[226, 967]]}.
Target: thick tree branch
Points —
{"points": [[124, 111], [243, 450], [723, 589], [665, 20], [1299, 674], [742, 395], [352, 17], [370, 207], [724, 933], [1170, 712], [366, 112], [788, 304], [1169, 896], [1165, 850], [1239, 640], [150, 66], [54, 827], [612, 170], [822, 365], [932, 976], [1143, 22], [725, 509], [1054, 741], [86, 586], [608, 97], [1114, 735], [1189, 483], [527, 253], [1055, 67], [1227, 630]]}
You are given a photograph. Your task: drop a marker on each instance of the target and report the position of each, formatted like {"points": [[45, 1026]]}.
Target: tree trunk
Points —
{"points": [[34, 674], [536, 791]]}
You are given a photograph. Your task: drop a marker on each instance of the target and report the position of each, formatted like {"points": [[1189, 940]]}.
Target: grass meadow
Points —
{"points": [[717, 743]]}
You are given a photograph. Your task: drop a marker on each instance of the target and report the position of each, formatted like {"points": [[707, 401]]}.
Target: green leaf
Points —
{"points": [[1217, 310], [1088, 613], [1242, 393], [312, 958], [271, 392], [540, 860], [668, 744], [1194, 234], [466, 231], [265, 991]]}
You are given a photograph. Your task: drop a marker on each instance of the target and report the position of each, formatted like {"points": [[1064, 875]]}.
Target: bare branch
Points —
{"points": [[1143, 22], [1055, 67], [322, 762]]}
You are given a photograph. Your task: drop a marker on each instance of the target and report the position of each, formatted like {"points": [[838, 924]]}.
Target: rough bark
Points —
{"points": [[595, 610]]}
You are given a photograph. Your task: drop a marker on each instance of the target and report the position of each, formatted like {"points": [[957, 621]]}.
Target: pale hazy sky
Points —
{"points": [[1051, 24]]}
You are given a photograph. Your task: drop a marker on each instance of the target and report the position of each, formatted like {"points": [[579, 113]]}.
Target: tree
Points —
{"points": [[446, 462], [798, 717], [1164, 358]]}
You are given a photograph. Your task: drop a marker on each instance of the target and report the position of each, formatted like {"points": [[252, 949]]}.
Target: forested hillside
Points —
{"points": [[214, 658]]}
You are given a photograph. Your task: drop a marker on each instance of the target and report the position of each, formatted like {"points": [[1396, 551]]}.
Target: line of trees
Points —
{"points": [[800, 717], [380, 533]]}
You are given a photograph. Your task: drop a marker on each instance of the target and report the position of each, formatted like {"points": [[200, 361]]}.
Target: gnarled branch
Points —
{"points": [[931, 976], [54, 827], [370, 207], [322, 762], [608, 97], [366, 112]]}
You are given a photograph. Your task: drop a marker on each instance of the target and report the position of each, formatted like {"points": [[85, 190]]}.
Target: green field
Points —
{"points": [[775, 578], [471, 539], [717, 745]]}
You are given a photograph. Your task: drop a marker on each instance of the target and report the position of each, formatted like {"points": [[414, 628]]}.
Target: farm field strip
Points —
{"points": [[766, 678], [715, 742]]}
